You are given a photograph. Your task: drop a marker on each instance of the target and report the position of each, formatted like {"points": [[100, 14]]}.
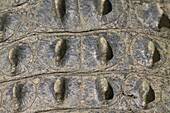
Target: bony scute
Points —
{"points": [[13, 58], [17, 96], [146, 93], [105, 50], [104, 89], [60, 8], [59, 89], [104, 7], [60, 51]]}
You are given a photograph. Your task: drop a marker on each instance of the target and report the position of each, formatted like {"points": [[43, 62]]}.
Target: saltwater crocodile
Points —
{"points": [[95, 56]]}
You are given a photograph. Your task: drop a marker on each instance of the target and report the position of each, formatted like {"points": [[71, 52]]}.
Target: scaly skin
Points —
{"points": [[84, 56]]}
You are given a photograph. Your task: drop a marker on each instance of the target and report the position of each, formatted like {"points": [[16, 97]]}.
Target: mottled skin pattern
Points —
{"points": [[84, 56]]}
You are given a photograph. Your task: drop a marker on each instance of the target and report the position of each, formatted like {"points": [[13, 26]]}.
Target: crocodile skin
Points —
{"points": [[88, 56]]}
